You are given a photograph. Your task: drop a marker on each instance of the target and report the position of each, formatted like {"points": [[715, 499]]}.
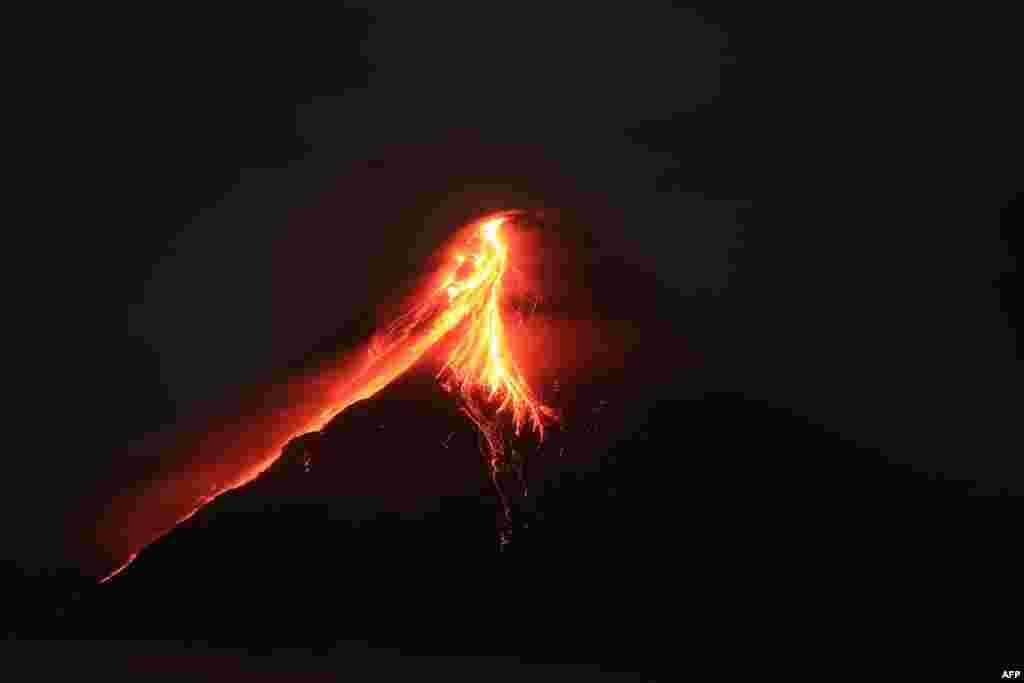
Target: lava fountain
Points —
{"points": [[461, 304]]}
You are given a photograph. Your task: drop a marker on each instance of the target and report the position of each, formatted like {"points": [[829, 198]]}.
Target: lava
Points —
{"points": [[461, 304]]}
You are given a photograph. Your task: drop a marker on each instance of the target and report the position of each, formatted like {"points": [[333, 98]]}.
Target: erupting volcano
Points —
{"points": [[459, 312]]}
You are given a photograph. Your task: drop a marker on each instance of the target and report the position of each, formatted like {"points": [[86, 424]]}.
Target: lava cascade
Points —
{"points": [[462, 304]]}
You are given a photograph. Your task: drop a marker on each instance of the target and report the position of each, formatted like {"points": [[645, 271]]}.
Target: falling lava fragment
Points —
{"points": [[462, 305]]}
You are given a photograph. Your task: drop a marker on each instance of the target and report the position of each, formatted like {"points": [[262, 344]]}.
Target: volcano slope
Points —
{"points": [[665, 494], [650, 500]]}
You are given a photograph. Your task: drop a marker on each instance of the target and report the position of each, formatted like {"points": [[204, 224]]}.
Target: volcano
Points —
{"points": [[655, 480], [380, 528]]}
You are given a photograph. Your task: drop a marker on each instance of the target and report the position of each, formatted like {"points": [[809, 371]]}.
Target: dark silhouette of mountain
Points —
{"points": [[666, 498], [668, 495], [798, 467]]}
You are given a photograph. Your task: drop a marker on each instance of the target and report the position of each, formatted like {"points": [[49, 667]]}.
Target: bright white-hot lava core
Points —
{"points": [[462, 304]]}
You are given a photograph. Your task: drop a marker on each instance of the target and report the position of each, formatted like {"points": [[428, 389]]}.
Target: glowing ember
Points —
{"points": [[464, 300]]}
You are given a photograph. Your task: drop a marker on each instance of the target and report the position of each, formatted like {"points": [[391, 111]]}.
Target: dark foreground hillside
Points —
{"points": [[663, 523]]}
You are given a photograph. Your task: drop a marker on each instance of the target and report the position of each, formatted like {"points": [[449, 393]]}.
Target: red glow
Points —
{"points": [[463, 299]]}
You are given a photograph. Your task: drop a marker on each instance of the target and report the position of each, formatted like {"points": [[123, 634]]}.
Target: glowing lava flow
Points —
{"points": [[468, 299], [481, 359], [464, 300], [480, 367]]}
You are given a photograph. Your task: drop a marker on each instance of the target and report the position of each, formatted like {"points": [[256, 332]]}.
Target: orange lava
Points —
{"points": [[464, 299]]}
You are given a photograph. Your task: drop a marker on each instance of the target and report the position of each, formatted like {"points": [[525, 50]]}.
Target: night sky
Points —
{"points": [[819, 245]]}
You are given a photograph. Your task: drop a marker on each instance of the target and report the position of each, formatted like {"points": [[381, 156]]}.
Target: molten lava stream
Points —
{"points": [[463, 299]]}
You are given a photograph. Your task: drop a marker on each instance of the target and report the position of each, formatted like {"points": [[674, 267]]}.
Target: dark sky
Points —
{"points": [[794, 191]]}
